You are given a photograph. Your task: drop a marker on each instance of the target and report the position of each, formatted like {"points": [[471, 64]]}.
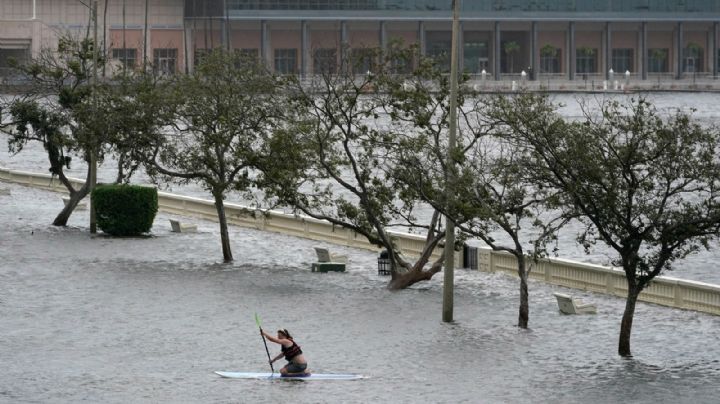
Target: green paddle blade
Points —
{"points": [[257, 320]]}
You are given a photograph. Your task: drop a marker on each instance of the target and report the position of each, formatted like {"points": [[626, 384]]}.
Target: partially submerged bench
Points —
{"points": [[570, 305], [178, 227], [328, 262]]}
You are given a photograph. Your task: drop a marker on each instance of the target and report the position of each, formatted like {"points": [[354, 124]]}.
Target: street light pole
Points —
{"points": [[93, 147], [449, 274]]}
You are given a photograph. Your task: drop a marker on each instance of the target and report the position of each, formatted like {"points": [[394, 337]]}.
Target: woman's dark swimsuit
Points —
{"points": [[291, 352]]}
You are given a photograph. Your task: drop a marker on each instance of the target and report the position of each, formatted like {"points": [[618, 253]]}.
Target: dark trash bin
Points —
{"points": [[470, 257], [384, 263]]}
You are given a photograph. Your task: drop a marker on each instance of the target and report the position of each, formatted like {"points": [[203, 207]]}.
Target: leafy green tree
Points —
{"points": [[342, 170], [498, 202], [221, 119], [491, 193], [645, 185], [54, 112]]}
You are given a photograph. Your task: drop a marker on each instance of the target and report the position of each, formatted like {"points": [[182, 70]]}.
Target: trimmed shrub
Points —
{"points": [[125, 210]]}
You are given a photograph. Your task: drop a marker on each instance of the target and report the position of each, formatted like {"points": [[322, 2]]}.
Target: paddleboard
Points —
{"points": [[312, 376]]}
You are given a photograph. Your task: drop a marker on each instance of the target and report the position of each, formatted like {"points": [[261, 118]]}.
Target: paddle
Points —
{"points": [[257, 321]]}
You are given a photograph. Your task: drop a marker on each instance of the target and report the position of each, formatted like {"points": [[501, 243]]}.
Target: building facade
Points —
{"points": [[544, 39]]}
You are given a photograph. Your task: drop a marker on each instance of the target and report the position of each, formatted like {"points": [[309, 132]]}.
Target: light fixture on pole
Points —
{"points": [[449, 249]]}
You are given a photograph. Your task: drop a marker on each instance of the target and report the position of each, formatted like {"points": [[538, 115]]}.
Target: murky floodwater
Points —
{"points": [[146, 320]]}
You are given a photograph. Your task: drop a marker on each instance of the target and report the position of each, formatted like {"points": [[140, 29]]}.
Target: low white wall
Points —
{"points": [[666, 291], [662, 290]]}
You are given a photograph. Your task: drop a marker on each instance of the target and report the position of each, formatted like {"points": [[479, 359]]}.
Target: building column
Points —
{"points": [[643, 51], [226, 27], [265, 45], [422, 40], [571, 51], [679, 51], [188, 40], [383, 37], [714, 57], [344, 45], [608, 50], [496, 50], [223, 35], [304, 49], [534, 70]]}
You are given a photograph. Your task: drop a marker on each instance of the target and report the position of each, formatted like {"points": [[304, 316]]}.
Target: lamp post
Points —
{"points": [[449, 250], [93, 147]]}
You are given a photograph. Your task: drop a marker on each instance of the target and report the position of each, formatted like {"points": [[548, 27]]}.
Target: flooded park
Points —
{"points": [[144, 320]]}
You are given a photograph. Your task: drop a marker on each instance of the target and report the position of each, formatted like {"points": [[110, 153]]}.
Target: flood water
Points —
{"points": [[147, 320]]}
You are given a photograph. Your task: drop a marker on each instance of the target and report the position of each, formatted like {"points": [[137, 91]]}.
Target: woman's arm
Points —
{"points": [[269, 337], [276, 340], [277, 357]]}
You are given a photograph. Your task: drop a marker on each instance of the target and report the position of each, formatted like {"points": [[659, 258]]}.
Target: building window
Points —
{"points": [[363, 60], [693, 56], [249, 53], [200, 56], [437, 47], [401, 62], [658, 60], [476, 56], [550, 58], [325, 61], [165, 60], [286, 61], [20, 56], [622, 60], [586, 60], [126, 56]]}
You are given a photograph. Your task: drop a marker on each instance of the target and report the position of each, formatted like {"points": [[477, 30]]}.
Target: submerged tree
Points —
{"points": [[54, 113], [344, 172], [221, 122], [498, 202], [645, 185], [492, 193]]}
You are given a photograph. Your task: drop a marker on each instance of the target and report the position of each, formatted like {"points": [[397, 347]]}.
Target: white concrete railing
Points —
{"points": [[665, 291]]}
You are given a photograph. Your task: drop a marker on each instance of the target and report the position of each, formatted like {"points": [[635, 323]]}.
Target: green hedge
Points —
{"points": [[125, 210]]}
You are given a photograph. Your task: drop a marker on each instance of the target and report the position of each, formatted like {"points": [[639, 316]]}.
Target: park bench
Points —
{"points": [[178, 227], [328, 262], [570, 305]]}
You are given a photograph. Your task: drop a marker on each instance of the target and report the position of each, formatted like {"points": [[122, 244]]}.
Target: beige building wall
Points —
{"points": [[71, 17], [16, 10], [32, 25]]}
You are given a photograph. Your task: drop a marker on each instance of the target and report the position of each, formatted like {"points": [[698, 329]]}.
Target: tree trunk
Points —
{"points": [[524, 311], [404, 280], [62, 218], [224, 236], [75, 197], [627, 320]]}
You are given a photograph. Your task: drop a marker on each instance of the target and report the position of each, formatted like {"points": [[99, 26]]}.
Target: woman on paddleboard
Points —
{"points": [[290, 350]]}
